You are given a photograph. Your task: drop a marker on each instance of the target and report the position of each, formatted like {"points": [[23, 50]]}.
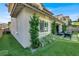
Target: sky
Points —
{"points": [[4, 15], [67, 9]]}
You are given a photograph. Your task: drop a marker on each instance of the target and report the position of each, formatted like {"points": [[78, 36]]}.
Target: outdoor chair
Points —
{"points": [[68, 35]]}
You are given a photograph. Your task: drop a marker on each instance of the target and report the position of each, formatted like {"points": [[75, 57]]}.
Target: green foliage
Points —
{"points": [[64, 27], [53, 27], [34, 31]]}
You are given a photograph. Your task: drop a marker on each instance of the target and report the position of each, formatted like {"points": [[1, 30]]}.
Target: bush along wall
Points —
{"points": [[64, 28], [34, 31], [53, 27]]}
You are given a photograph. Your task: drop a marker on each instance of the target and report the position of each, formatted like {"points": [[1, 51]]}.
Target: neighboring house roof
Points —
{"points": [[63, 18], [60, 15], [66, 16], [58, 20], [3, 26]]}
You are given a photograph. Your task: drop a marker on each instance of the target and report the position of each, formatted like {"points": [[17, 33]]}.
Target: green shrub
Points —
{"points": [[64, 27], [53, 27], [34, 31]]}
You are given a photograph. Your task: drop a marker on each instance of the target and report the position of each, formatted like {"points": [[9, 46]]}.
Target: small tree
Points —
{"points": [[53, 27], [34, 31], [64, 27]]}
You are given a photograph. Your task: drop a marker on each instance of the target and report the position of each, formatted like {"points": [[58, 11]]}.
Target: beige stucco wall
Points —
{"points": [[42, 34], [60, 26], [1, 33], [20, 27]]}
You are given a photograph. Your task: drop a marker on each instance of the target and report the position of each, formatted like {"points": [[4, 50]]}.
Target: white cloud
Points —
{"points": [[5, 19], [74, 16]]}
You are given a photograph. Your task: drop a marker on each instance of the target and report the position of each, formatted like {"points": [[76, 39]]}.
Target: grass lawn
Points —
{"points": [[9, 43], [9, 46], [60, 48]]}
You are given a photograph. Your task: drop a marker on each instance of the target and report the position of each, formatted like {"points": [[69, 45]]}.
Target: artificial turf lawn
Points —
{"points": [[10, 46], [8, 42]]}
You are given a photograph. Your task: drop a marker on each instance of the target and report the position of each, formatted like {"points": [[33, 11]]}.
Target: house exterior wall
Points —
{"points": [[70, 29], [4, 25], [60, 26], [13, 26], [42, 34], [66, 20], [20, 26], [1, 30], [1, 33]]}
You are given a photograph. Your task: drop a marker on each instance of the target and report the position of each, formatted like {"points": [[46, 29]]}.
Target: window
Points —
{"points": [[46, 26], [43, 26]]}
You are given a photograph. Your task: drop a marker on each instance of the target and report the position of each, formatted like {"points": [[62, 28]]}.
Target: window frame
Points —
{"points": [[44, 26]]}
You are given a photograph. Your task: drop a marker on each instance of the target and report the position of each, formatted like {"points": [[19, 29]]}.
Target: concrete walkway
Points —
{"points": [[74, 37]]}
